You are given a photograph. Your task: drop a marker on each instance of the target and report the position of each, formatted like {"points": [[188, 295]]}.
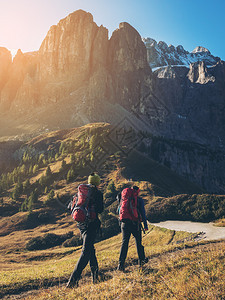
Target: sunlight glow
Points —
{"points": [[13, 52]]}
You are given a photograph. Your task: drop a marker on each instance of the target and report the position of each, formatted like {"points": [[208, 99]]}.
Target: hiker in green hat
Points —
{"points": [[89, 203]]}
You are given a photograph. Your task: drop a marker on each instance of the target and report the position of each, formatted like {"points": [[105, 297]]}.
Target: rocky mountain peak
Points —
{"points": [[163, 46], [149, 42], [69, 46], [200, 49], [127, 48], [180, 49]]}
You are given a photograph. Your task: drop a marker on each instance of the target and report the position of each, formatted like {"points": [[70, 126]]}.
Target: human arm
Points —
{"points": [[99, 202], [142, 212]]}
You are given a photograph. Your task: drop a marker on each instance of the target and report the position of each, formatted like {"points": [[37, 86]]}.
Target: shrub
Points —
{"points": [[201, 208], [35, 218], [49, 240], [73, 242]]}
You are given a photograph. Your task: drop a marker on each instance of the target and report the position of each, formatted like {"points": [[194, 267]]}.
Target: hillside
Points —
{"points": [[56, 160], [180, 271], [40, 242], [80, 76], [52, 165]]}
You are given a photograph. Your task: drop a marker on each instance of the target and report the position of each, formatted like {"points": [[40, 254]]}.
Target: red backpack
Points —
{"points": [[81, 208], [128, 207]]}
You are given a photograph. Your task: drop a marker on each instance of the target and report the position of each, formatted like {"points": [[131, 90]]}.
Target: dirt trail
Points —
{"points": [[210, 232]]}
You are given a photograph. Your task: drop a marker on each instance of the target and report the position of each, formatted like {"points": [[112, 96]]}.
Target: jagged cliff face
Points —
{"points": [[195, 103], [5, 63], [128, 65], [75, 54], [65, 60], [80, 76], [198, 163], [193, 126], [75, 47]]}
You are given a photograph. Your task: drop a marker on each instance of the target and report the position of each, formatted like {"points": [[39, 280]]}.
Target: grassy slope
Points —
{"points": [[174, 271], [23, 270]]}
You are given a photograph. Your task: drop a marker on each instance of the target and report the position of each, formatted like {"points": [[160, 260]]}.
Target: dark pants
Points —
{"points": [[88, 233], [128, 227]]}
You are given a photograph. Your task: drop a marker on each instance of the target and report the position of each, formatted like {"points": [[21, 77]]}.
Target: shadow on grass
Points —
{"points": [[105, 274]]}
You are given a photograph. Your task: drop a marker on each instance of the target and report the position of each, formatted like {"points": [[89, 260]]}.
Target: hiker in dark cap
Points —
{"points": [[89, 203], [132, 212]]}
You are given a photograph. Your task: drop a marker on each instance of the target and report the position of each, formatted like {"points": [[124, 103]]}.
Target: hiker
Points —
{"points": [[132, 212], [89, 226]]}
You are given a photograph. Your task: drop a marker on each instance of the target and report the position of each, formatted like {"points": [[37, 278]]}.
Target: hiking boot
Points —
{"points": [[72, 283], [95, 276], [143, 261], [120, 268]]}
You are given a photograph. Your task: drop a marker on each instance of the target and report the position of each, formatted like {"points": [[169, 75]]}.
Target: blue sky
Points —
{"points": [[24, 23]]}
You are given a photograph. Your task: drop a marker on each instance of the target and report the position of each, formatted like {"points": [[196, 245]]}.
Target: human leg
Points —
{"points": [[136, 231], [126, 232], [94, 265], [88, 236]]}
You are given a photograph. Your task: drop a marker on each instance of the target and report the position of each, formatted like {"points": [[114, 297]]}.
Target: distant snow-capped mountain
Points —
{"points": [[160, 54]]}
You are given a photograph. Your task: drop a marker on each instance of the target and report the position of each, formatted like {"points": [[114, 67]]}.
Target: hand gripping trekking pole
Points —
{"points": [[142, 228]]}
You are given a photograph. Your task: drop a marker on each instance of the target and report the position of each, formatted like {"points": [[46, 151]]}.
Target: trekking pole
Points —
{"points": [[142, 228]]}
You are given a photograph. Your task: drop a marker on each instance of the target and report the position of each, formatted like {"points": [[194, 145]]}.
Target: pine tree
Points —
{"points": [[72, 159], [30, 202], [30, 170], [35, 168], [40, 159], [23, 169], [70, 175], [16, 192], [63, 166], [24, 205], [43, 181], [50, 197], [48, 173], [26, 186]]}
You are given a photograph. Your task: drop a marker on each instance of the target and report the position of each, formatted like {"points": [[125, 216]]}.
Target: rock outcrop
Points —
{"points": [[128, 65], [199, 73], [5, 63]]}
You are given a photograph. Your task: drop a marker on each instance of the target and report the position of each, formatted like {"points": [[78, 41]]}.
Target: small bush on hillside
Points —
{"points": [[73, 242], [49, 240], [110, 225], [37, 218]]}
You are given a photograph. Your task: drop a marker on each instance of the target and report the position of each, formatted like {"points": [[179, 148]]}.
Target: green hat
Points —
{"points": [[94, 179]]}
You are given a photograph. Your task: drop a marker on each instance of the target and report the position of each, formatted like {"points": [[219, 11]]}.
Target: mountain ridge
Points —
{"points": [[160, 54]]}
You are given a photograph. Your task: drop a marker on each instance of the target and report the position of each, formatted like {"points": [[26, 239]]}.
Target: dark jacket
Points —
{"points": [[141, 208], [98, 200]]}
